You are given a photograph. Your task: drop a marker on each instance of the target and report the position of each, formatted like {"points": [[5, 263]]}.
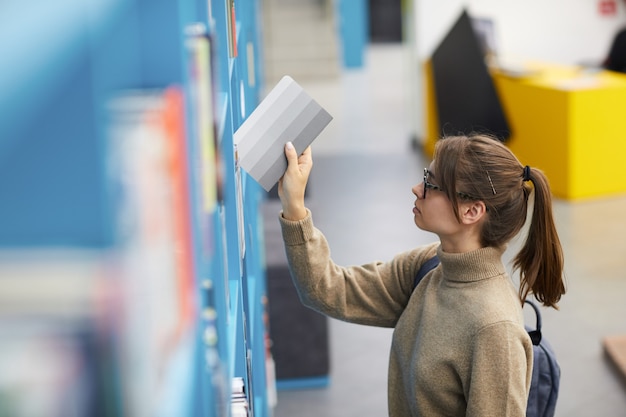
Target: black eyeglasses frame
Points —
{"points": [[430, 186]]}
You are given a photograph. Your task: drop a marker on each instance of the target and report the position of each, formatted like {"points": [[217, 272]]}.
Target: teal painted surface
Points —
{"points": [[68, 58], [353, 30]]}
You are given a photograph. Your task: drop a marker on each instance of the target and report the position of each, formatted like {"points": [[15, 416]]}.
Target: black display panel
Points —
{"points": [[467, 100]]}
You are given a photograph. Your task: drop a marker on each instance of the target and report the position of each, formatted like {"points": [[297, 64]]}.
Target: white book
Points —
{"points": [[288, 113]]}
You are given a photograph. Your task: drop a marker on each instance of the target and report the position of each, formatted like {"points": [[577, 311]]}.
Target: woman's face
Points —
{"points": [[433, 211]]}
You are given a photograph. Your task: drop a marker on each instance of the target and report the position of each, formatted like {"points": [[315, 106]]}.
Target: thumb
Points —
{"points": [[291, 154]]}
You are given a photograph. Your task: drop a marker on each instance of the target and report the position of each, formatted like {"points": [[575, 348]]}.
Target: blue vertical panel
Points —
{"points": [[52, 175], [232, 181], [254, 282], [256, 285], [40, 47], [253, 35], [161, 40], [48, 178], [353, 24], [246, 63], [219, 29], [213, 360]]}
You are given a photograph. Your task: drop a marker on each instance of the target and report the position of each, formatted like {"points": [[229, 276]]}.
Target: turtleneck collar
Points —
{"points": [[472, 266]]}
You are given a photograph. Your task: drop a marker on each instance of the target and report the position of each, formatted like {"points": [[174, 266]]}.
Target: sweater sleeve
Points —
{"points": [[502, 361], [374, 294]]}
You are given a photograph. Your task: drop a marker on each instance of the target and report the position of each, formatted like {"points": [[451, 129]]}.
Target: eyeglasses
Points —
{"points": [[430, 186]]}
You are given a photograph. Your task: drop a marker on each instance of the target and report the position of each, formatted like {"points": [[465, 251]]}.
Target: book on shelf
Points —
{"points": [[231, 21], [152, 265]]}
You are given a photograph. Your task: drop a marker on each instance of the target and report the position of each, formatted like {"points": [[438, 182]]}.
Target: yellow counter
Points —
{"points": [[569, 122]]}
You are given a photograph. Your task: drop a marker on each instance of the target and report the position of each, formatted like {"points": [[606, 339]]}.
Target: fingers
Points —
{"points": [[307, 156], [304, 161], [292, 155]]}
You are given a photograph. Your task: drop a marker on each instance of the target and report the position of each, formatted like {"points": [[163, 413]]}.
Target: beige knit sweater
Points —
{"points": [[459, 346]]}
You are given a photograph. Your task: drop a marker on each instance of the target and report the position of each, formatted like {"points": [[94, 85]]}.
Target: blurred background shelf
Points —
{"points": [[128, 244]]}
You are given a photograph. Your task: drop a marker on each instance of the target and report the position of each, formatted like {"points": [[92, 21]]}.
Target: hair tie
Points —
{"points": [[526, 175]]}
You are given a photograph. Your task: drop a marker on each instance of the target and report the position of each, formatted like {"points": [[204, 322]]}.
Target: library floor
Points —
{"points": [[360, 195]]}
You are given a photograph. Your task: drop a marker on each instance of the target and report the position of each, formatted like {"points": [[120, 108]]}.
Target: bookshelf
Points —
{"points": [[119, 154]]}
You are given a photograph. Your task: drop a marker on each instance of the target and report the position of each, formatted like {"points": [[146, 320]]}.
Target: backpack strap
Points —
{"points": [[428, 266], [535, 335]]}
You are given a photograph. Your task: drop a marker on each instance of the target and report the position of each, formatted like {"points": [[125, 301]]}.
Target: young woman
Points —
{"points": [[459, 346]]}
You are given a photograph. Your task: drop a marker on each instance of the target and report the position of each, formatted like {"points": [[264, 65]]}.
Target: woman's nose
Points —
{"points": [[418, 190]]}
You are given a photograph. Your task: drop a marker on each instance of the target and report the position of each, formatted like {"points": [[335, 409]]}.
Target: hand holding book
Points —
{"points": [[293, 183], [288, 113]]}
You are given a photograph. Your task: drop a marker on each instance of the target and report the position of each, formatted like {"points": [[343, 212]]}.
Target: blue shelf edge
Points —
{"points": [[302, 383], [233, 317]]}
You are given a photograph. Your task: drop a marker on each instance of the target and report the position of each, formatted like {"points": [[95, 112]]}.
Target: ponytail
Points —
{"points": [[540, 261]]}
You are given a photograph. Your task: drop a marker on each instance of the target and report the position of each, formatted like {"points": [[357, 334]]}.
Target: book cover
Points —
{"points": [[288, 113]]}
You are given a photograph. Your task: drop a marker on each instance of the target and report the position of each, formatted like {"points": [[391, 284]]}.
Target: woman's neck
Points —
{"points": [[460, 243]]}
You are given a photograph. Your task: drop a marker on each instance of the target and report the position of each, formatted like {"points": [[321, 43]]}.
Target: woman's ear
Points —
{"points": [[473, 212]]}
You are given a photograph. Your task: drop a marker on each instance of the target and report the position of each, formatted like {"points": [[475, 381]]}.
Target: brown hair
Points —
{"points": [[482, 167]]}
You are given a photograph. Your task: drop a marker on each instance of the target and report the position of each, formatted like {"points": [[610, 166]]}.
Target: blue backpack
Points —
{"points": [[544, 386]]}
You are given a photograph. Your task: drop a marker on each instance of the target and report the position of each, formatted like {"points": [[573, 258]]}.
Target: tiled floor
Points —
{"points": [[360, 195]]}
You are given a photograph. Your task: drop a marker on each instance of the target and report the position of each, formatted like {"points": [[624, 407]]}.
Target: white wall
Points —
{"points": [[564, 31], [559, 31]]}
